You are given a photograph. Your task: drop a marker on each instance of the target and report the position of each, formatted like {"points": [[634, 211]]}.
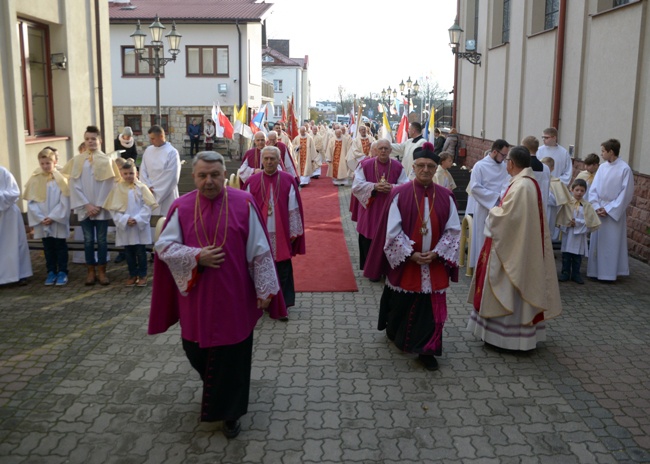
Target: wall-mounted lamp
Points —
{"points": [[58, 61], [454, 40]]}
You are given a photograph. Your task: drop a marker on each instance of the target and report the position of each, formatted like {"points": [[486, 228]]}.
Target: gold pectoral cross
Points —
{"points": [[423, 230], [383, 179], [270, 209]]}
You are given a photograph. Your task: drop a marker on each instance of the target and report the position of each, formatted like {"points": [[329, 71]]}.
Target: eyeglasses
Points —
{"points": [[431, 167], [503, 154], [507, 159]]}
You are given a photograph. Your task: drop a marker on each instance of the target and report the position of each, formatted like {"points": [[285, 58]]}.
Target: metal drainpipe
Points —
{"points": [[240, 57], [100, 80], [239, 79], [559, 66]]}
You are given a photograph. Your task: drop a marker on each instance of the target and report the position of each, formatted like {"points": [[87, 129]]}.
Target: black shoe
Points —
{"points": [[120, 257], [578, 279], [563, 277], [429, 361], [231, 428]]}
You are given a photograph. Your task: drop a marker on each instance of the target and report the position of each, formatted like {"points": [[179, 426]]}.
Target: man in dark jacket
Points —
{"points": [[194, 132]]}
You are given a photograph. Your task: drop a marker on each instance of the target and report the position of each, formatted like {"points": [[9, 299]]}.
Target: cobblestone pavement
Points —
{"points": [[81, 382]]}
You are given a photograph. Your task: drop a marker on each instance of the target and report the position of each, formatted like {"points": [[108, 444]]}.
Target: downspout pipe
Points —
{"points": [[239, 82], [239, 78], [100, 79], [559, 66]]}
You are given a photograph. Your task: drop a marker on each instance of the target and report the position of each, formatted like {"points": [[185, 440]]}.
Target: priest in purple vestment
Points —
{"points": [[374, 179], [416, 247], [214, 272], [285, 154], [278, 197]]}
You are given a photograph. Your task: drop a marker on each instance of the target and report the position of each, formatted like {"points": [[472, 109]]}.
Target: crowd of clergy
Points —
{"points": [[224, 254]]}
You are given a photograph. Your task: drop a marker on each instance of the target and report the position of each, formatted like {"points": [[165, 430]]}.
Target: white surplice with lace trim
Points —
{"points": [[182, 259], [399, 247]]}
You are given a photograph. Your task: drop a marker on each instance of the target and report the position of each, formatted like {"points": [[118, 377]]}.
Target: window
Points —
{"points": [[500, 30], [207, 61], [164, 121], [277, 85], [134, 121], [505, 29], [36, 78], [551, 14], [133, 67], [277, 111], [605, 5]]}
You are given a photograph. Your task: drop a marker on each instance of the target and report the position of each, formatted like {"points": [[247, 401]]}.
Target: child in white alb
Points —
{"points": [[575, 218], [130, 204], [48, 211]]}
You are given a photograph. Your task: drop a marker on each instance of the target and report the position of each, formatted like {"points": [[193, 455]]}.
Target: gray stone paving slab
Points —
{"points": [[81, 382]]}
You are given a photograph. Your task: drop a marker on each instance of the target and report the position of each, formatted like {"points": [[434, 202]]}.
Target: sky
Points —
{"points": [[366, 46]]}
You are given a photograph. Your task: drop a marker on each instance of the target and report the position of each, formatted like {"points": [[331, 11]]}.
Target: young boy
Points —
{"points": [[592, 161], [442, 176], [92, 175], [48, 211], [558, 195], [130, 203], [576, 218]]}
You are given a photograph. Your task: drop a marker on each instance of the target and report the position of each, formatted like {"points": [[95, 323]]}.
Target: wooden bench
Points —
{"points": [[78, 245]]}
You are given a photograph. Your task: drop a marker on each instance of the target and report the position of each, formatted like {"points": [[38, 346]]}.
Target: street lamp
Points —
{"points": [[454, 40], [157, 61], [385, 95], [409, 95]]}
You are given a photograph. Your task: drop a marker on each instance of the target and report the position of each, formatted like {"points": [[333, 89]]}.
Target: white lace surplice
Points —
{"points": [[399, 247], [182, 260]]}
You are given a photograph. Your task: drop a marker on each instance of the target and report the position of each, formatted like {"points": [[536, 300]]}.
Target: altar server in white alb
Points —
{"points": [[130, 203], [610, 194], [487, 182], [16, 265], [91, 176], [48, 210], [160, 170]]}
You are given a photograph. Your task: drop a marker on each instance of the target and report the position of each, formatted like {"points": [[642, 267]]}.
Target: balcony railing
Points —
{"points": [[267, 90]]}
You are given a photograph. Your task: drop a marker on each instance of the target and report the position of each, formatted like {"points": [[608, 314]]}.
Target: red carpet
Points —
{"points": [[326, 266]]}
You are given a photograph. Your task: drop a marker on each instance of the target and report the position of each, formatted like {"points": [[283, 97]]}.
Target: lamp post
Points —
{"points": [[157, 61], [408, 94], [454, 41], [385, 95]]}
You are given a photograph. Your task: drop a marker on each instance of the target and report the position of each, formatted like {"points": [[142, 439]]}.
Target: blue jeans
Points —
{"points": [[136, 260], [56, 254], [92, 229]]}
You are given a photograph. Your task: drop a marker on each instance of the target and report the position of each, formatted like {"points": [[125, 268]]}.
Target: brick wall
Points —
{"points": [[638, 213], [177, 125]]}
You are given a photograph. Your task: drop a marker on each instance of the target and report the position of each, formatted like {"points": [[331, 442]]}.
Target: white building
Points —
{"points": [[219, 62], [290, 77], [326, 106], [55, 75], [579, 66]]}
